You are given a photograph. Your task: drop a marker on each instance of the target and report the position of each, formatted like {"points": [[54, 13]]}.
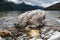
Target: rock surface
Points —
{"points": [[32, 19], [55, 36]]}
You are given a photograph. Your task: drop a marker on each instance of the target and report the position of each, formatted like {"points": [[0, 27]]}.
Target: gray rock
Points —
{"points": [[36, 39], [22, 38], [1, 38], [33, 19], [56, 36]]}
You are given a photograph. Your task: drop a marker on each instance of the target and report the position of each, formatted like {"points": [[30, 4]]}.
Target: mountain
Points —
{"points": [[5, 6], [24, 6], [10, 6], [54, 7]]}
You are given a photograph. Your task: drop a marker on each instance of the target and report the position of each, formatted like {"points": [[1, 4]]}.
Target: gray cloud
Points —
{"points": [[44, 3]]}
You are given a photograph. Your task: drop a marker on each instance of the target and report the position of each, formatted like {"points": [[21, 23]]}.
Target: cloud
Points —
{"points": [[44, 3]]}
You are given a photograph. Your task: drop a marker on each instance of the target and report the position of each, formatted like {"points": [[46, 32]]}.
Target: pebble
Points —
{"points": [[5, 33], [35, 39], [42, 35], [47, 36], [50, 32]]}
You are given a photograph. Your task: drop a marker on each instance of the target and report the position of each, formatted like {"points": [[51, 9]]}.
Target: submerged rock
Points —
{"points": [[32, 19]]}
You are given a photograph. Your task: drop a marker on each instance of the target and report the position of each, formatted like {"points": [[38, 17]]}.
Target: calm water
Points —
{"points": [[8, 18]]}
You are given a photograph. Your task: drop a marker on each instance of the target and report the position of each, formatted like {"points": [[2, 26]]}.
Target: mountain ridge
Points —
{"points": [[10, 6], [54, 7]]}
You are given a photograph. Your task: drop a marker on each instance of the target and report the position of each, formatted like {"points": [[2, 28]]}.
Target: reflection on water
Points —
{"points": [[8, 18], [10, 13]]}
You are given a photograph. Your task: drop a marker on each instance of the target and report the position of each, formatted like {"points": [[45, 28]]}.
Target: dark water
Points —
{"points": [[8, 18]]}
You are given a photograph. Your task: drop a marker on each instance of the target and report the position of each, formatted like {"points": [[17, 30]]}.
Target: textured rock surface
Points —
{"points": [[33, 19], [55, 36]]}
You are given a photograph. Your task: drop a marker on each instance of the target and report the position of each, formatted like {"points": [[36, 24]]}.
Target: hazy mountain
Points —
{"points": [[54, 7], [10, 6]]}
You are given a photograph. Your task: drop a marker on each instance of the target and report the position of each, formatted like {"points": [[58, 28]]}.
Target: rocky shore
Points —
{"points": [[31, 25]]}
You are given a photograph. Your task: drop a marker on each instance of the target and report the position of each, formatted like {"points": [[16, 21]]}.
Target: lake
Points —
{"points": [[8, 18]]}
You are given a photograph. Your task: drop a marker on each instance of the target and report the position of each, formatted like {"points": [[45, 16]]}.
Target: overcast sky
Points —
{"points": [[44, 3]]}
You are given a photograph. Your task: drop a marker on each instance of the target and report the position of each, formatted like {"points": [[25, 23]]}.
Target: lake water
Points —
{"points": [[8, 18], [53, 15]]}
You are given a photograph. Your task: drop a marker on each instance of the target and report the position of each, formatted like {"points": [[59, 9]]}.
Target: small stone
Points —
{"points": [[50, 32], [20, 38], [5, 33], [43, 30], [18, 34], [34, 33], [27, 28], [24, 35], [36, 39], [39, 39], [11, 29], [33, 38], [47, 36], [42, 35]]}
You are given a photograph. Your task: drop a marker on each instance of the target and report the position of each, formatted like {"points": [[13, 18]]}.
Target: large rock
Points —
{"points": [[32, 19]]}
